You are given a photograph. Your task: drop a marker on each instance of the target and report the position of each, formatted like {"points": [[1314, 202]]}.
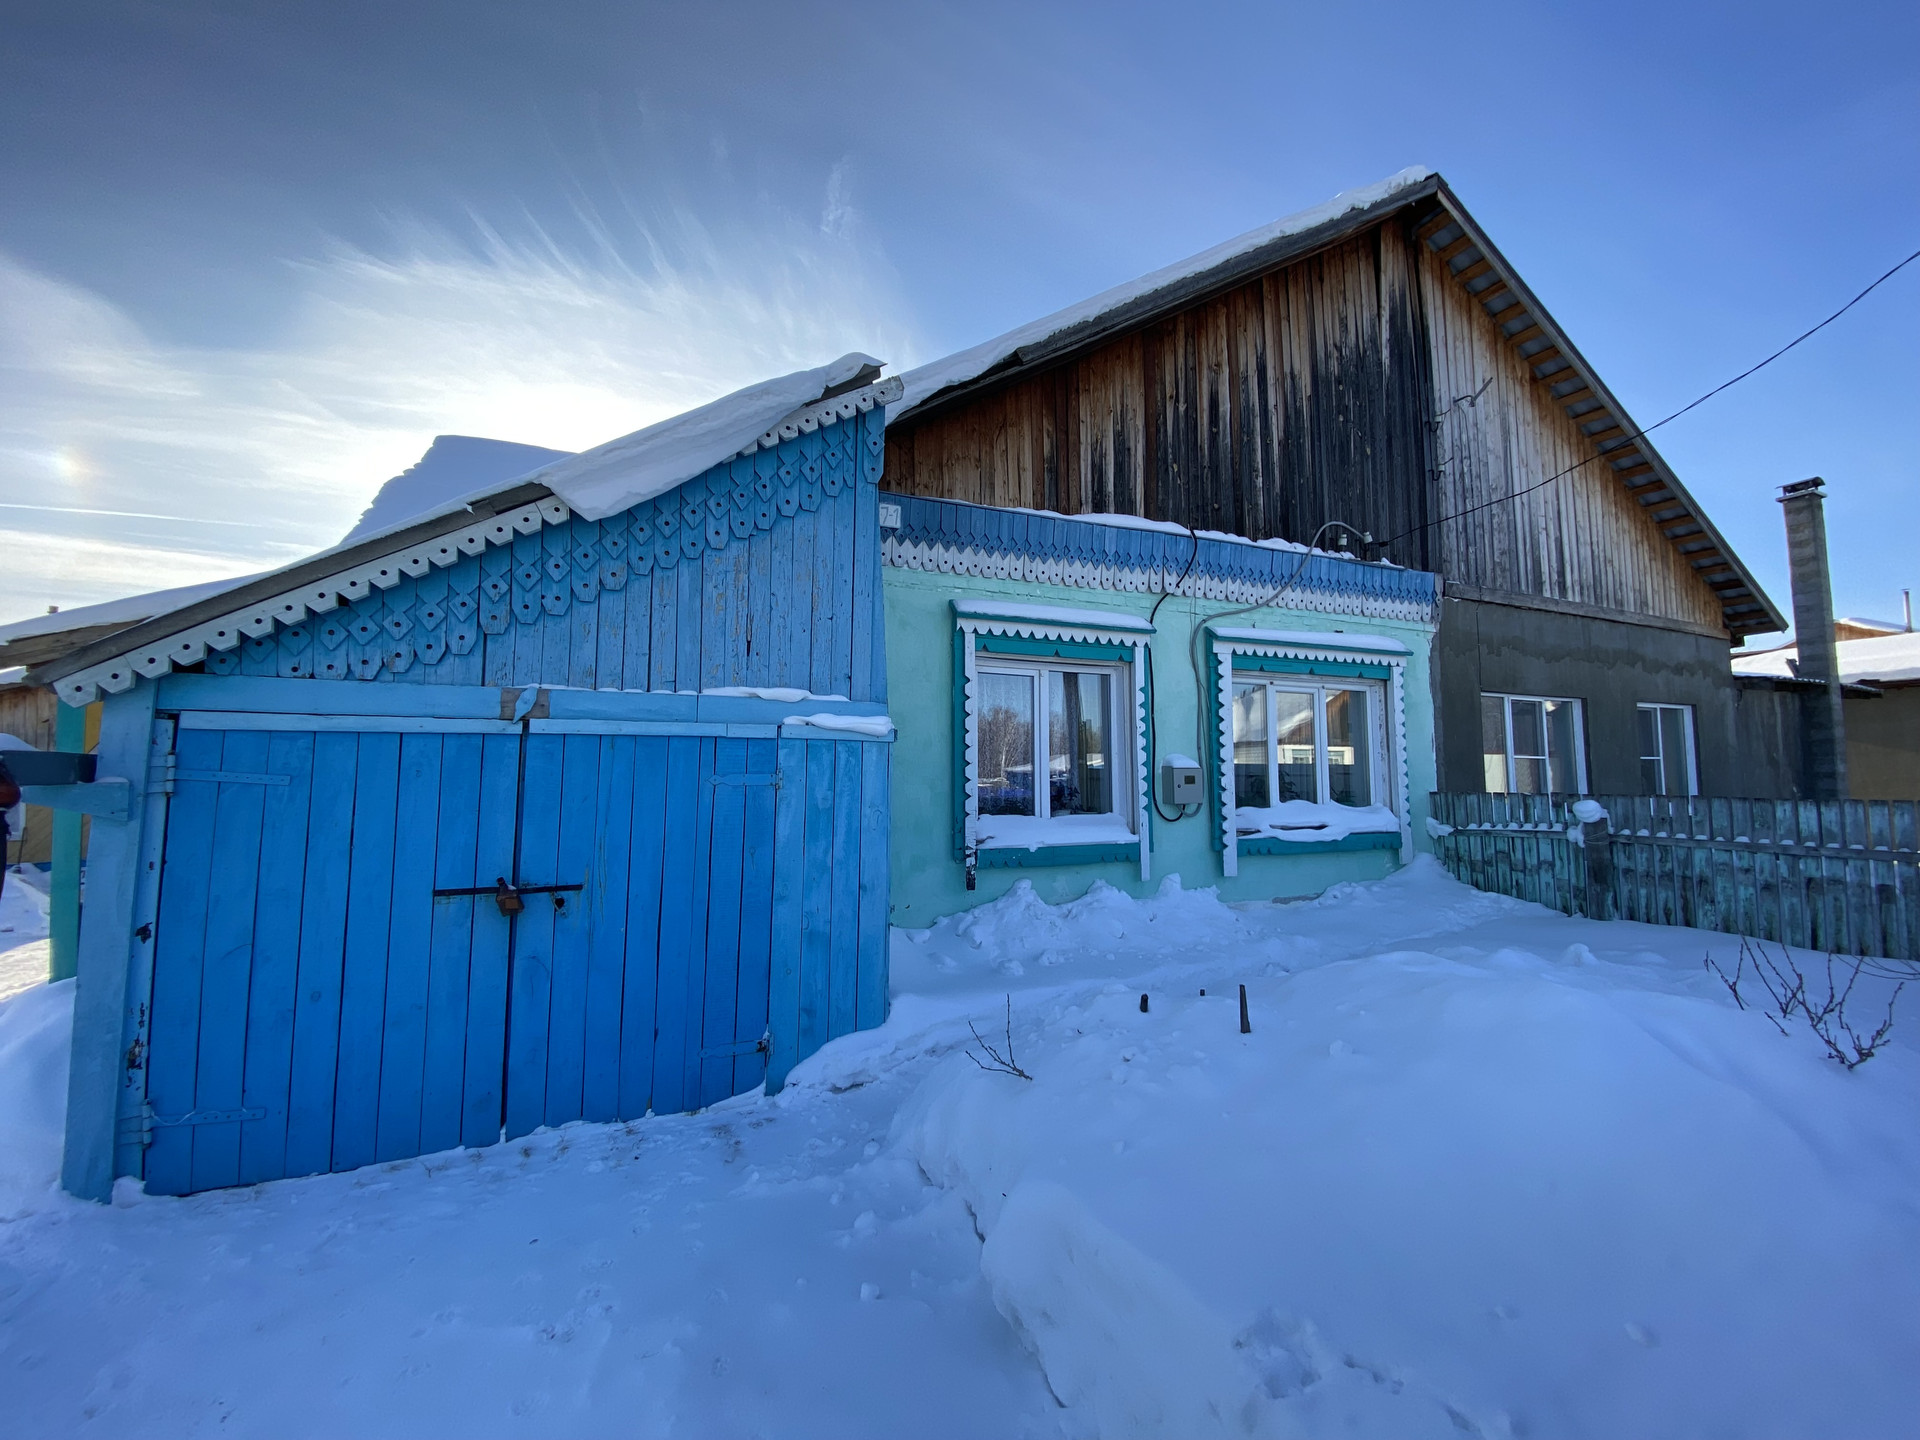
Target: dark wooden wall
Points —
{"points": [[1360, 384]]}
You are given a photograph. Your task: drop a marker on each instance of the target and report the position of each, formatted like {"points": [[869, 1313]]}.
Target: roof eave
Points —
{"points": [[159, 627], [1552, 329]]}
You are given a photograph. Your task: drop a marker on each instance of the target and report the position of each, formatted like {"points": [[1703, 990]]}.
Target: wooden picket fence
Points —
{"points": [[1839, 876]]}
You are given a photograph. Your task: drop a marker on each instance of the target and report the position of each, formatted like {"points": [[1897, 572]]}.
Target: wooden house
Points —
{"points": [[1374, 373], [567, 801]]}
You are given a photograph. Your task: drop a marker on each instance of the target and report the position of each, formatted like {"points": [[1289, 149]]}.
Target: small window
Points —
{"points": [[1532, 745], [1667, 758], [1045, 751], [1298, 740]]}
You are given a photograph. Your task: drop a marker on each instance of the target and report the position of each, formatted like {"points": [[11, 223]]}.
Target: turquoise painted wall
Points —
{"points": [[928, 882]]}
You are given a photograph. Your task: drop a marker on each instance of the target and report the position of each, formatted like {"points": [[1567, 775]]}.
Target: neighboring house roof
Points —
{"points": [[108, 645], [1445, 227], [1882, 659]]}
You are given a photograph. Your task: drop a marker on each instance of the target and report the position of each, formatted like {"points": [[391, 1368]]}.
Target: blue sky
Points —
{"points": [[253, 257]]}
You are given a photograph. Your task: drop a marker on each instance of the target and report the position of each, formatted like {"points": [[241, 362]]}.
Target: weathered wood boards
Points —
{"points": [[1361, 384], [316, 1006], [1840, 876]]}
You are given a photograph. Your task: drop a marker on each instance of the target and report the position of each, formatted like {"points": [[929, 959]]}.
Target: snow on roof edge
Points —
{"points": [[595, 484], [926, 381], [1879, 657], [126, 611]]}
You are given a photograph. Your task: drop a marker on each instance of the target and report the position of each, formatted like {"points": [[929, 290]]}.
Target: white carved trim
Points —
{"points": [[189, 645], [809, 418], [1037, 570], [971, 627], [1396, 721]]}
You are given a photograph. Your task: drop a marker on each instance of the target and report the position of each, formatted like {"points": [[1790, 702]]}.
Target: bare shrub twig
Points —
{"points": [[1789, 995], [996, 1063]]}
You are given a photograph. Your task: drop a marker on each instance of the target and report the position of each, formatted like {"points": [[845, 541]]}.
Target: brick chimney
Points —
{"points": [[1823, 722]]}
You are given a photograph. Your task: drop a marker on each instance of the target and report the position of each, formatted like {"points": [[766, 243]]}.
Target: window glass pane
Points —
{"points": [[1293, 726], [1674, 749], [1005, 744], [1079, 707], [1651, 780], [1529, 729], [1563, 746], [1349, 748], [1250, 748], [1649, 732], [1529, 746], [1493, 742]]}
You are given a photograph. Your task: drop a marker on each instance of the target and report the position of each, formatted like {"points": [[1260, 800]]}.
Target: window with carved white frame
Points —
{"points": [[1309, 742], [1051, 762]]}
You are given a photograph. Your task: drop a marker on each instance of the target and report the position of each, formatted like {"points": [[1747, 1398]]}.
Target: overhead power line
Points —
{"points": [[1639, 434]]}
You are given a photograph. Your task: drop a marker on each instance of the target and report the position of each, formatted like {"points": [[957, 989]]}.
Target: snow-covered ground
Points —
{"points": [[1478, 1169], [24, 955]]}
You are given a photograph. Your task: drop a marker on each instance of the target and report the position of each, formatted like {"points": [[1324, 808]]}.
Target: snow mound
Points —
{"points": [[1489, 1188], [36, 1032]]}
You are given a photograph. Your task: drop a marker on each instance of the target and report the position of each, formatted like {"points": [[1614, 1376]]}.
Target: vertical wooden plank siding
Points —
{"points": [[710, 1069], [364, 971], [870, 988], [572, 929], [678, 936], [789, 892], [403, 1048], [227, 963], [315, 1005], [273, 991], [844, 904], [758, 832], [450, 949], [608, 917], [645, 924], [1842, 877], [482, 1105], [181, 944], [530, 995], [816, 922], [323, 929]]}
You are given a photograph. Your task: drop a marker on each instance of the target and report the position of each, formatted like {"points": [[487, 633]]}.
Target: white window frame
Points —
{"points": [[1579, 737], [1318, 686], [1037, 667], [1692, 744], [1038, 622], [1389, 790]]}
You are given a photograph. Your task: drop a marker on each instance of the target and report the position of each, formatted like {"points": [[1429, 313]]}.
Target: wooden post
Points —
{"points": [[105, 953], [63, 919], [1598, 837]]}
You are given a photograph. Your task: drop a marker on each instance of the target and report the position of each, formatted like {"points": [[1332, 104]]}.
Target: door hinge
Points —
{"points": [[161, 772]]}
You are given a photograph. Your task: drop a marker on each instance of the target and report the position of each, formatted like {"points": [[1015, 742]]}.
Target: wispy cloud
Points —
{"points": [[486, 335]]}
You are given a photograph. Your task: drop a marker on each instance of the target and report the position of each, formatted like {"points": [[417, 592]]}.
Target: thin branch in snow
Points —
{"points": [[996, 1063], [1788, 996]]}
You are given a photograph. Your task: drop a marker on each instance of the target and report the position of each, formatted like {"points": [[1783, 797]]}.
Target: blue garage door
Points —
{"points": [[376, 944]]}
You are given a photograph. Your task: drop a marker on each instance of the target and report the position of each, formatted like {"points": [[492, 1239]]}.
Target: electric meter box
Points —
{"points": [[1180, 781]]}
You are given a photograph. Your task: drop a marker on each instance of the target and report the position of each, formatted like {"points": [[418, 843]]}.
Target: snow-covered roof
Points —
{"points": [[595, 484], [128, 610], [454, 465], [1881, 658], [928, 380]]}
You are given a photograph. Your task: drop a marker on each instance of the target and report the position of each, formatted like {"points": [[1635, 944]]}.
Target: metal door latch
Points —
{"points": [[507, 897]]}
